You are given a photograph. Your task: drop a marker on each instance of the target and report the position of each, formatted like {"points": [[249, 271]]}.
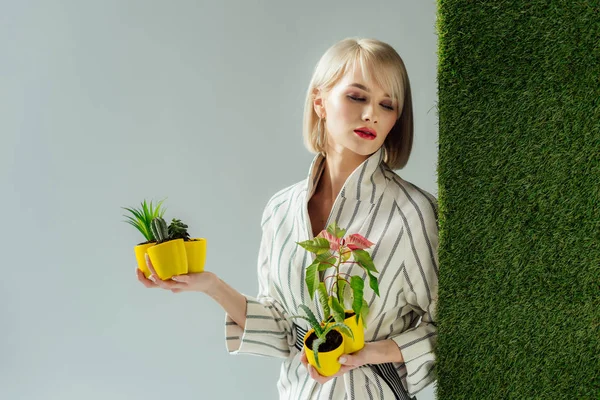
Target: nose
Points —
{"points": [[369, 113]]}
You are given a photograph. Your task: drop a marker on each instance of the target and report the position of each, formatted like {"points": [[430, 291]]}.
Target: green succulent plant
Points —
{"points": [[331, 307], [160, 230], [178, 230], [143, 216]]}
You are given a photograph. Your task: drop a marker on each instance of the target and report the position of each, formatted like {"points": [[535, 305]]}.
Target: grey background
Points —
{"points": [[106, 103]]}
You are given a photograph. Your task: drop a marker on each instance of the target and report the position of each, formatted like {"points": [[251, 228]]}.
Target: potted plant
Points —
{"points": [[148, 220], [168, 254], [324, 342], [142, 221], [333, 250], [195, 249]]}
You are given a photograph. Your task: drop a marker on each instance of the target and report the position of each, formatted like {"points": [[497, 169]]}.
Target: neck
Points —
{"points": [[338, 167]]}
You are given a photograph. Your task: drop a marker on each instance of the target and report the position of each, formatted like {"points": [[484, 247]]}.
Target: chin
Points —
{"points": [[363, 149], [355, 145]]}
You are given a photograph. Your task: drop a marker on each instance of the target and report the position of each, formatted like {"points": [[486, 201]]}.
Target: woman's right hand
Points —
{"points": [[191, 282]]}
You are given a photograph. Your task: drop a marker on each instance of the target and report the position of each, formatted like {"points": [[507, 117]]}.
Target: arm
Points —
{"points": [[420, 285], [232, 301]]}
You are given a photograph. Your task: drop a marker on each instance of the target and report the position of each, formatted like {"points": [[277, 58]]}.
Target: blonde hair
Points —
{"points": [[379, 62]]}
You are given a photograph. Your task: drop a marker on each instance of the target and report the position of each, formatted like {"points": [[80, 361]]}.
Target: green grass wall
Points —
{"points": [[519, 197]]}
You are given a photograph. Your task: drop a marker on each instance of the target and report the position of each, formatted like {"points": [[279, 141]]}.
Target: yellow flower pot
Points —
{"points": [[140, 256], [353, 345], [327, 359], [169, 258], [195, 250], [358, 330]]}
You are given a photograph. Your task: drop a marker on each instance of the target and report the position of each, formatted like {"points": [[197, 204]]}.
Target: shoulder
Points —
{"points": [[411, 200], [282, 199]]}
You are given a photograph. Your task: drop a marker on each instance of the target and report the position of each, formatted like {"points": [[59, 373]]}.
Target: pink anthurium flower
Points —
{"points": [[356, 241], [334, 242]]}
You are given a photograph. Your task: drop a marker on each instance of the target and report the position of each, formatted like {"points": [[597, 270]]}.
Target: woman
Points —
{"points": [[358, 119]]}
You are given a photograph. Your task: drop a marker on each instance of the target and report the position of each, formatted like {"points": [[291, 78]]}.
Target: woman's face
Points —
{"points": [[347, 107]]}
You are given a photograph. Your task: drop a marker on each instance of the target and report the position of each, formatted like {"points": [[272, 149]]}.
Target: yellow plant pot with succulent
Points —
{"points": [[324, 343], [357, 342], [142, 221], [173, 251], [168, 256], [333, 250], [195, 249], [327, 363], [196, 254]]}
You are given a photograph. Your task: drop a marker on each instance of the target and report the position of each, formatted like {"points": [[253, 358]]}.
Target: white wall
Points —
{"points": [[105, 103]]}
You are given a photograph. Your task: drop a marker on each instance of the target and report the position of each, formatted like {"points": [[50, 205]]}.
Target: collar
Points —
{"points": [[366, 183]]}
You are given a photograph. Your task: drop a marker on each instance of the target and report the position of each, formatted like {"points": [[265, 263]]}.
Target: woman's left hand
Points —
{"points": [[348, 361]]}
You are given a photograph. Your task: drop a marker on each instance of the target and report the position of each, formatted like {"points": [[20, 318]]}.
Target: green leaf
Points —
{"points": [[312, 279], [316, 344], [373, 283], [342, 327], [323, 299], [339, 315], [364, 260], [363, 313], [326, 260], [357, 285], [141, 229], [335, 230], [317, 245], [345, 253], [144, 216], [341, 285], [314, 323]]}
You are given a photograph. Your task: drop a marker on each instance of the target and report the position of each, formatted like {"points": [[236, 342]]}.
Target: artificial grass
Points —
{"points": [[519, 200]]}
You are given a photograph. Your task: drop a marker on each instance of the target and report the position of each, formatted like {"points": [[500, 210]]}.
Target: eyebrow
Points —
{"points": [[366, 89]]}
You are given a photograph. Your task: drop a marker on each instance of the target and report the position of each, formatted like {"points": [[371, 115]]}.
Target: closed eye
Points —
{"points": [[362, 99]]}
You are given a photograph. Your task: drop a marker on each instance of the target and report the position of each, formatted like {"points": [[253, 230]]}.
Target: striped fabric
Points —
{"points": [[401, 219]]}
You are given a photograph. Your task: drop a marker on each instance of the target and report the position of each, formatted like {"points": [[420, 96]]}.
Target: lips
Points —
{"points": [[365, 132], [365, 135]]}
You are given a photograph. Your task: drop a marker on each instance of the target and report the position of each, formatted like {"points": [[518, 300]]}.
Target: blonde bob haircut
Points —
{"points": [[380, 63]]}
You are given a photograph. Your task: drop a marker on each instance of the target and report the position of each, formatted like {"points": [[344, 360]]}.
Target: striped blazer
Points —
{"points": [[401, 219]]}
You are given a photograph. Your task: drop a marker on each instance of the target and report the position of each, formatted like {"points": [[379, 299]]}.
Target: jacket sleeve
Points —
{"points": [[268, 331], [420, 286]]}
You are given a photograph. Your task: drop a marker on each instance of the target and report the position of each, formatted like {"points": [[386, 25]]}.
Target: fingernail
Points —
{"points": [[152, 278], [342, 360], [174, 278]]}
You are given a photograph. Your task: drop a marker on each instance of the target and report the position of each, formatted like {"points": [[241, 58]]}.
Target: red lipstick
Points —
{"points": [[366, 133]]}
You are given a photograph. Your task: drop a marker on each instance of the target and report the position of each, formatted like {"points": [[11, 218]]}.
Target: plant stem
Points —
{"points": [[338, 278]]}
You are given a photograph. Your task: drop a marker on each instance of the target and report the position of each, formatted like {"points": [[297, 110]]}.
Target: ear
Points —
{"points": [[319, 103]]}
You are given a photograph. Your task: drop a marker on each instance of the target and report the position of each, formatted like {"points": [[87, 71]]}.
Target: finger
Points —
{"points": [[142, 278], [181, 278], [316, 376], [343, 370], [150, 266], [169, 284], [303, 358]]}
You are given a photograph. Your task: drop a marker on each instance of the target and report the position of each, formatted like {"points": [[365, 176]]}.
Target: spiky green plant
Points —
{"points": [[178, 230], [330, 306], [143, 216], [160, 230]]}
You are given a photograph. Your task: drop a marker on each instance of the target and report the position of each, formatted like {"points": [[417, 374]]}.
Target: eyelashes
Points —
{"points": [[362, 99]]}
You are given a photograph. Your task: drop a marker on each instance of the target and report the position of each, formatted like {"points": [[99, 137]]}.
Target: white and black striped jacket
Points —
{"points": [[401, 219]]}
